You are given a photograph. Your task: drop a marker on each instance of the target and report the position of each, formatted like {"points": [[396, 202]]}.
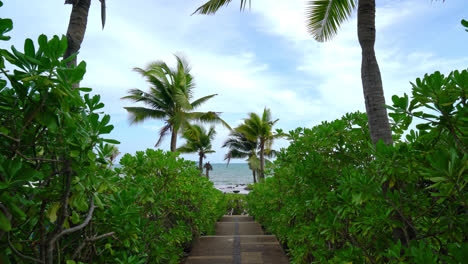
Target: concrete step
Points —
{"points": [[239, 218], [238, 240], [239, 228], [250, 249], [224, 245]]}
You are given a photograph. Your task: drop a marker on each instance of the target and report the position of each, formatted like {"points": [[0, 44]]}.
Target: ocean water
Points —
{"points": [[231, 179], [234, 174]]}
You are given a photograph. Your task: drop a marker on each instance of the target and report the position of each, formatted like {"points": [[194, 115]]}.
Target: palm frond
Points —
{"points": [[207, 117], [200, 101], [187, 148], [139, 114], [103, 13], [210, 7], [324, 17], [162, 134]]}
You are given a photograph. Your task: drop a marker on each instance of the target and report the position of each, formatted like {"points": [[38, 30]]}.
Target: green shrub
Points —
{"points": [[158, 206], [333, 197], [236, 203]]}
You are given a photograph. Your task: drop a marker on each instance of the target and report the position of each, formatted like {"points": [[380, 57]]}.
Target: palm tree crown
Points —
{"points": [[198, 140], [260, 129], [239, 148], [169, 98]]}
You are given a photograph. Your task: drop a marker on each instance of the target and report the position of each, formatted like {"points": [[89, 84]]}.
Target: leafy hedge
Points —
{"points": [[158, 207], [60, 201], [334, 198]]}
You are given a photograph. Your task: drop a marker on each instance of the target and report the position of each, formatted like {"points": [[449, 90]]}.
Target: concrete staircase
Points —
{"points": [[238, 240]]}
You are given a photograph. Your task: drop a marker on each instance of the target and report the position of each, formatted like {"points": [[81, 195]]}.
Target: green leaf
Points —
{"points": [[75, 218], [74, 153], [52, 212], [29, 48], [5, 224], [465, 24], [98, 201], [438, 179], [84, 89], [6, 25], [91, 156], [106, 129], [111, 141]]}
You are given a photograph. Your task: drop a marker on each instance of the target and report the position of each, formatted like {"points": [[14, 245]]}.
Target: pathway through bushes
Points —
{"points": [[238, 240]]}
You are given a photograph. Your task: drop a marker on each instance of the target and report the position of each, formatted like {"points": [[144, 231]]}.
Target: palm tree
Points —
{"points": [[198, 140], [169, 99], [260, 129], [239, 148], [208, 168], [324, 18], [77, 25]]}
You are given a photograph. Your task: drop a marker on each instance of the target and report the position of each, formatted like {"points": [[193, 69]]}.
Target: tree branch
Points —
{"points": [[88, 240], [12, 138], [19, 253], [38, 159], [50, 248]]}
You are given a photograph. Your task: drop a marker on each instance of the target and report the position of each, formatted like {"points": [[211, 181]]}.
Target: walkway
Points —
{"points": [[238, 240]]}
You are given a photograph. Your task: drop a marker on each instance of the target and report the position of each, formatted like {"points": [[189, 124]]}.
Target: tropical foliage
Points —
{"points": [[328, 200], [159, 210], [242, 148], [198, 140], [59, 200], [169, 99], [260, 129]]}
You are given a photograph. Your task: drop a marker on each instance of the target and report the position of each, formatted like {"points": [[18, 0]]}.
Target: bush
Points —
{"points": [[59, 200], [236, 204], [334, 197], [158, 205]]}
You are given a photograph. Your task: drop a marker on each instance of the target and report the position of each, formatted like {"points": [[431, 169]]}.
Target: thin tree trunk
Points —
{"points": [[200, 162], [254, 178], [379, 126], [77, 27], [262, 161], [173, 139]]}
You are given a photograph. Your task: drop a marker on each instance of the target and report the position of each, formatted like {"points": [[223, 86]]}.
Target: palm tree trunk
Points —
{"points": [[200, 162], [379, 126], [262, 161], [77, 27], [254, 178], [173, 139]]}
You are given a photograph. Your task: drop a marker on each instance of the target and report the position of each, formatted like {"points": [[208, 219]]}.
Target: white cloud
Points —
{"points": [[303, 82]]}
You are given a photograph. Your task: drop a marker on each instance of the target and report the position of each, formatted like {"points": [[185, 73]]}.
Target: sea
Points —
{"points": [[231, 179]]}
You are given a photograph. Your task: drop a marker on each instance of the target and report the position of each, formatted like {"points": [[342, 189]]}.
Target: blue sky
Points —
{"points": [[255, 59]]}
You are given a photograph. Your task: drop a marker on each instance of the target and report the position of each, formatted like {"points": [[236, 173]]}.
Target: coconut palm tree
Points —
{"points": [[239, 148], [77, 25], [324, 17], [260, 129], [169, 99], [198, 140], [208, 167]]}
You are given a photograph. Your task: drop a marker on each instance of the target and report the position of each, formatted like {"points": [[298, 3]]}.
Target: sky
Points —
{"points": [[259, 58]]}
